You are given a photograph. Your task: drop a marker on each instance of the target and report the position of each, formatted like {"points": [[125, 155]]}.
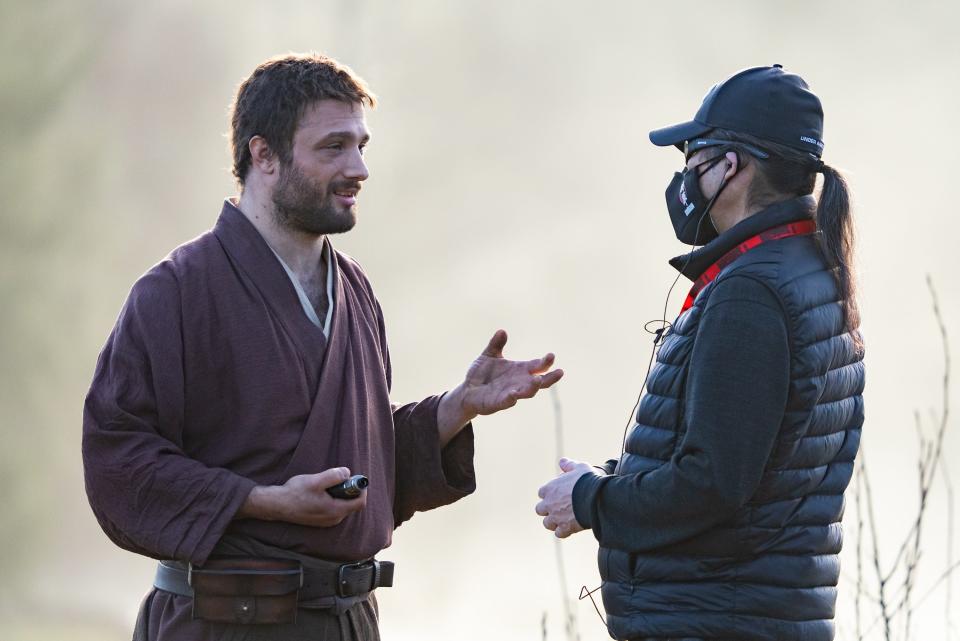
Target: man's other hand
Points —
{"points": [[303, 500], [556, 505]]}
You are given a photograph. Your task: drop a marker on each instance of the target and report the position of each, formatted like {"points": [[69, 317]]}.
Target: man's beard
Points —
{"points": [[303, 206]]}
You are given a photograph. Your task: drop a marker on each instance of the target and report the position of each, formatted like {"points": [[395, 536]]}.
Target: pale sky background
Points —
{"points": [[512, 185]]}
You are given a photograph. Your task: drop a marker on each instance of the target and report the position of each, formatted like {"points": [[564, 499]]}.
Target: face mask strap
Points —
{"points": [[710, 164], [723, 184]]}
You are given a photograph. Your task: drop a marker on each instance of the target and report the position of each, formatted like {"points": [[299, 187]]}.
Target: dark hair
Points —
{"points": [[270, 102], [788, 173]]}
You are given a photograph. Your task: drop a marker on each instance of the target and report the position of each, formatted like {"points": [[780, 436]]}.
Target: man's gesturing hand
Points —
{"points": [[494, 383], [556, 505], [303, 500]]}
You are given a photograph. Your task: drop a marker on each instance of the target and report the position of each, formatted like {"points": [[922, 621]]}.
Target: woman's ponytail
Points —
{"points": [[788, 173], [835, 223]]}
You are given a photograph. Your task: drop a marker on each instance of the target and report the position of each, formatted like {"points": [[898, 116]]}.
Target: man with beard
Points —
{"points": [[248, 373]]}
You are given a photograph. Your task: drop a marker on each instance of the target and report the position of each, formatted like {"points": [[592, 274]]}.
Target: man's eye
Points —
{"points": [[335, 145]]}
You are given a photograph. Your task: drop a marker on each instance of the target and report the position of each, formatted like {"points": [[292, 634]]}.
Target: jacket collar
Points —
{"points": [[694, 263]]}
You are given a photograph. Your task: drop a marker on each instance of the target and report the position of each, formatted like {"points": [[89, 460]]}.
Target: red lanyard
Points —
{"points": [[800, 228]]}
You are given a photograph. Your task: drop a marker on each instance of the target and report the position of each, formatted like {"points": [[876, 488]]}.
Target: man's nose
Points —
{"points": [[357, 168]]}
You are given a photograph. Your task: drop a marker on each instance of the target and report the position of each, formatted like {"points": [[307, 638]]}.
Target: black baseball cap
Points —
{"points": [[765, 102]]}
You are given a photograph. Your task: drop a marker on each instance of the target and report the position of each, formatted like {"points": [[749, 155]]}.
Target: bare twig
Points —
{"points": [[913, 557], [860, 588], [893, 604], [931, 454], [948, 616], [944, 417], [557, 422], [945, 414], [570, 620], [852, 580], [874, 538], [898, 608]]}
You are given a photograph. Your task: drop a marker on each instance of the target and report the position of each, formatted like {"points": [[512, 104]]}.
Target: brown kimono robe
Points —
{"points": [[214, 380]]}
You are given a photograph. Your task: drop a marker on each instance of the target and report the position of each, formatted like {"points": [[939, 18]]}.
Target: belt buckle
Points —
{"points": [[342, 582]]}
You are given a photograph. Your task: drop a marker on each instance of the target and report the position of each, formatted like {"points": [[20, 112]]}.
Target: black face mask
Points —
{"points": [[689, 210]]}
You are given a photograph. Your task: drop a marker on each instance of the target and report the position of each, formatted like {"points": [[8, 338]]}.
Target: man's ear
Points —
{"points": [[262, 156]]}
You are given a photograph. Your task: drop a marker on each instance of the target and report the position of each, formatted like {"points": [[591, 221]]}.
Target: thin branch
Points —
{"points": [[874, 536], [913, 557], [945, 414], [852, 579], [896, 610], [909, 553], [948, 612], [931, 454], [944, 417], [860, 588], [929, 451], [570, 620], [943, 577], [557, 422]]}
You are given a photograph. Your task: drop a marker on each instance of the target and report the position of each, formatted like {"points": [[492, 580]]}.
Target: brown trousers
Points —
{"points": [[166, 617]]}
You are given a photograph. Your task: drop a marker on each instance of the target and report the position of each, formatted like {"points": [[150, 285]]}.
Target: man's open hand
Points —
{"points": [[494, 383]]}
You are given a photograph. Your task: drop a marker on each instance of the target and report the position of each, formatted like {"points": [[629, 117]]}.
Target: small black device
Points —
{"points": [[349, 489]]}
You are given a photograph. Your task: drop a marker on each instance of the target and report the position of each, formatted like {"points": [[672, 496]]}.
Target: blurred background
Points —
{"points": [[512, 185]]}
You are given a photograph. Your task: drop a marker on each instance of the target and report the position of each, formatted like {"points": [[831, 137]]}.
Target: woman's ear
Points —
{"points": [[733, 165]]}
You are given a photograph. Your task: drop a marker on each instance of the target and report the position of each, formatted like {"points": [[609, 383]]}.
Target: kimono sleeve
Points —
{"points": [[429, 477], [147, 494]]}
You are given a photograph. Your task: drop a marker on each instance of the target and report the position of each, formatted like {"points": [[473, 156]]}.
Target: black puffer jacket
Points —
{"points": [[723, 520]]}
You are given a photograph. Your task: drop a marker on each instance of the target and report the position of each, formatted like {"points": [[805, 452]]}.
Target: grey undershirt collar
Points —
{"points": [[302, 295]]}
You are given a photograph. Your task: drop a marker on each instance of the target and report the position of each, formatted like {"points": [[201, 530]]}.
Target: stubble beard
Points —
{"points": [[301, 205]]}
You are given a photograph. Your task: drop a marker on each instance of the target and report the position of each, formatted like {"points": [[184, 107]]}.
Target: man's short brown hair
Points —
{"points": [[270, 102]]}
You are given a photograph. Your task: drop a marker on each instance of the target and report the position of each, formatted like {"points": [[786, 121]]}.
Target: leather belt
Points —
{"points": [[346, 580]]}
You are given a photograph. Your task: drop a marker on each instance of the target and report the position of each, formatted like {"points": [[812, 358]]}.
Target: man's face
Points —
{"points": [[316, 192]]}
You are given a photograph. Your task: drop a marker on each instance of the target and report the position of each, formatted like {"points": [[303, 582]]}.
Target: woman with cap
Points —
{"points": [[721, 517]]}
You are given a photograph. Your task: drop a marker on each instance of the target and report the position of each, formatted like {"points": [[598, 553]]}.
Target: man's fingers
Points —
{"points": [[356, 504], [331, 477], [541, 508], [549, 524], [510, 399], [538, 365], [529, 390], [495, 347], [550, 378], [342, 508], [542, 493]]}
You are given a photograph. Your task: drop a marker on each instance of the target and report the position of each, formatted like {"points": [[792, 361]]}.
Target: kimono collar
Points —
{"points": [[262, 266], [694, 263]]}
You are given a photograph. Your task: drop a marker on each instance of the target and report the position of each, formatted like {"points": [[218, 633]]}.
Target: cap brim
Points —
{"points": [[677, 134]]}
